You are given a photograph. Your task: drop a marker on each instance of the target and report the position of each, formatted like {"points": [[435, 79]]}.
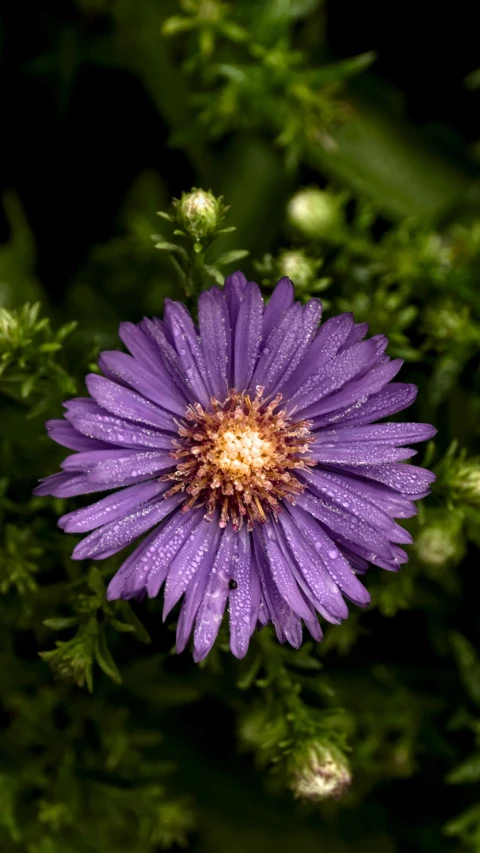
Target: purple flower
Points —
{"points": [[247, 448]]}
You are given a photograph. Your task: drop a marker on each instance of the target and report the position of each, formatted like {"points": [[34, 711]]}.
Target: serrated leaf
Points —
{"points": [[104, 657]]}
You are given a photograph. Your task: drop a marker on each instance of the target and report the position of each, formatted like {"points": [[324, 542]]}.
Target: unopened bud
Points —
{"points": [[464, 481], [199, 213], [315, 213], [301, 269], [319, 771], [439, 542]]}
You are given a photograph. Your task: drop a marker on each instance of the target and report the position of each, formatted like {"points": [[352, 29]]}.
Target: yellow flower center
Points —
{"points": [[239, 458], [242, 451]]}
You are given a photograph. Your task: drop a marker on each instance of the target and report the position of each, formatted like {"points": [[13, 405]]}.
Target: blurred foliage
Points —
{"points": [[109, 742]]}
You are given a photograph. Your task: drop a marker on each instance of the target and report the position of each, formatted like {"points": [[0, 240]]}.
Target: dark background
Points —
{"points": [[75, 134]]}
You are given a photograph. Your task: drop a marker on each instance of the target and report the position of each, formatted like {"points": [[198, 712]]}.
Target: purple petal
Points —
{"points": [[66, 485], [354, 391], [318, 584], [349, 526], [240, 598], [189, 350], [279, 303], [65, 434], [389, 433], [248, 334], [337, 373], [156, 331], [126, 404], [390, 400], [282, 573], [212, 608], [128, 468], [115, 535], [357, 453], [311, 315], [154, 382], [111, 508], [215, 334], [337, 491], [338, 568], [234, 289], [279, 349], [357, 333], [150, 561], [120, 432], [189, 560], [192, 600], [407, 479], [287, 623], [398, 556], [170, 540], [140, 345]]}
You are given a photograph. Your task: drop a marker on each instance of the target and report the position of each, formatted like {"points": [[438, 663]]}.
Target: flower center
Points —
{"points": [[239, 458], [242, 451]]}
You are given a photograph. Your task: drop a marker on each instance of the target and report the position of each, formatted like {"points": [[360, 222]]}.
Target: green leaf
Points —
{"points": [[467, 771], [465, 822], [177, 24], [164, 246], [95, 582], [140, 632], [469, 665], [104, 658], [231, 257], [337, 71], [60, 623], [121, 626]]}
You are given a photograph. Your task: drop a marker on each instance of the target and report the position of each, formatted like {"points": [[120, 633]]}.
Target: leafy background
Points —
{"points": [[111, 108]]}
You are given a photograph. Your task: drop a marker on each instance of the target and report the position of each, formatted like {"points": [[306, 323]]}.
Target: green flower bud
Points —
{"points": [[464, 481], [72, 661], [300, 268], [315, 213], [199, 213], [319, 771], [440, 543]]}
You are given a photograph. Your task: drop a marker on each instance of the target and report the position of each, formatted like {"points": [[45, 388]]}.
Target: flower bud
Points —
{"points": [[439, 542], [319, 771], [199, 213], [301, 269], [464, 481], [315, 213]]}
